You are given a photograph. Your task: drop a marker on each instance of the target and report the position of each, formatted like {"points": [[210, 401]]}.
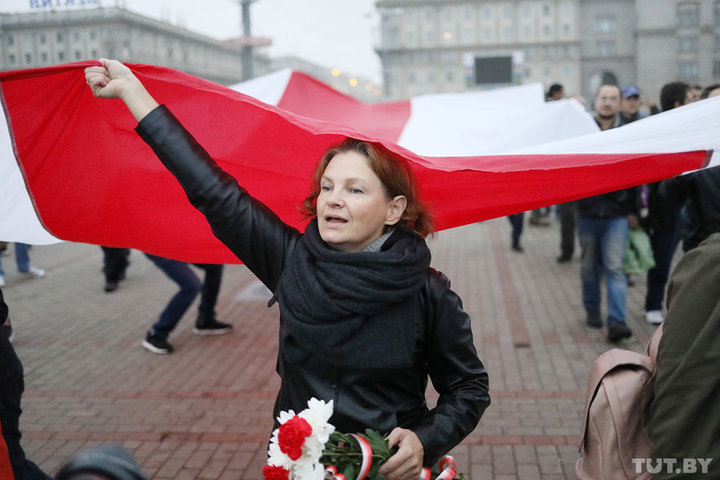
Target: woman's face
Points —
{"points": [[352, 209]]}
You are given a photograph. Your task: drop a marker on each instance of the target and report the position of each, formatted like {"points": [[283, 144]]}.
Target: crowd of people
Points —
{"points": [[685, 208]]}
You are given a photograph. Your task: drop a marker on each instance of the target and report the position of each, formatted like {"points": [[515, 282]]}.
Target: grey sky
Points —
{"points": [[331, 33]]}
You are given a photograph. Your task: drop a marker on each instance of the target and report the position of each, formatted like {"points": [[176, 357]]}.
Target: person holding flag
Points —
{"points": [[364, 320]]}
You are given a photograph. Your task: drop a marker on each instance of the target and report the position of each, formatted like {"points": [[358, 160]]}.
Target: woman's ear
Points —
{"points": [[395, 210]]}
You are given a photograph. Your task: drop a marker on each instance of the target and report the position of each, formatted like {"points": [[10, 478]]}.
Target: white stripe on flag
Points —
{"points": [[19, 221]]}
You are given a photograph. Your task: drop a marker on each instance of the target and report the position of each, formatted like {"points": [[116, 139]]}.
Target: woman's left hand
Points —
{"points": [[406, 464]]}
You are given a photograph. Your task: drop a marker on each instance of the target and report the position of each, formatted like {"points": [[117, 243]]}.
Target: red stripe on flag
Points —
{"points": [[307, 96]]}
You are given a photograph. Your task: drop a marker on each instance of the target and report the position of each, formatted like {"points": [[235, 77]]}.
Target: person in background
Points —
{"points": [[156, 339], [695, 92], [661, 221], [13, 462], [516, 222], [710, 91], [602, 227], [115, 263], [630, 105], [22, 260]]}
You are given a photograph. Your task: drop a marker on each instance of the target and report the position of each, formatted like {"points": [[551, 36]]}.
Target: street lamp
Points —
{"points": [[246, 48]]}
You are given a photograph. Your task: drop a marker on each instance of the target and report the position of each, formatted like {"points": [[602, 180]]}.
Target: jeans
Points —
{"points": [[22, 259], [180, 273], [603, 242], [664, 243]]}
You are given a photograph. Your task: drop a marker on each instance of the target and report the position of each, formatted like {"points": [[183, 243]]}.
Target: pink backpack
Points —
{"points": [[615, 428]]}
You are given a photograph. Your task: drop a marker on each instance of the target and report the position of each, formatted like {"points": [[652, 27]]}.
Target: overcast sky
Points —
{"points": [[332, 33]]}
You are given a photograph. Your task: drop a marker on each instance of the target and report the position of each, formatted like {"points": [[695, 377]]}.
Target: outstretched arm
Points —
{"points": [[114, 80]]}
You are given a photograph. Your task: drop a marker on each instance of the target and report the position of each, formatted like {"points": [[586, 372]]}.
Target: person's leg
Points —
{"points": [[210, 290], [516, 221], [589, 268], [206, 323], [614, 244], [180, 273], [567, 231], [664, 243], [115, 261], [22, 258]]}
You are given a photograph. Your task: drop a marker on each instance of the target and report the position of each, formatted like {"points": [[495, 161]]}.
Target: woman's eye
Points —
{"points": [[355, 190], [325, 188]]}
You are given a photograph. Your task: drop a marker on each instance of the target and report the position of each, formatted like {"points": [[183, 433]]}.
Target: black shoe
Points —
{"points": [[593, 320], [157, 344], [564, 258], [211, 327], [517, 248], [111, 287], [618, 331]]}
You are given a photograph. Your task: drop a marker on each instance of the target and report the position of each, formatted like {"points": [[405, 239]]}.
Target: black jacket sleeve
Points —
{"points": [[247, 227], [456, 372]]}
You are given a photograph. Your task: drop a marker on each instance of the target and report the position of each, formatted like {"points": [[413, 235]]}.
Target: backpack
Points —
{"points": [[615, 428]]}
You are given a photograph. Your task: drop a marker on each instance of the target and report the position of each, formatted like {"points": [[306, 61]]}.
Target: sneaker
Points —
{"points": [[35, 272], [211, 327], [2, 280], [617, 332], [593, 320], [111, 287], [654, 317], [157, 344]]}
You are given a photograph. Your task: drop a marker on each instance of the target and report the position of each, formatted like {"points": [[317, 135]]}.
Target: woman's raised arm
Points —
{"points": [[114, 80]]}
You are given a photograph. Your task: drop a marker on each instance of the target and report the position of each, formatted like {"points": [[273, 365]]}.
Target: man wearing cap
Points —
{"points": [[630, 105]]}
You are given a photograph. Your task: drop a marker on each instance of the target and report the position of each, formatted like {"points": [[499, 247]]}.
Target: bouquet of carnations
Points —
{"points": [[306, 447]]}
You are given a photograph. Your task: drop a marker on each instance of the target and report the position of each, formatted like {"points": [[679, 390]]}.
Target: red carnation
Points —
{"points": [[271, 472], [291, 436]]}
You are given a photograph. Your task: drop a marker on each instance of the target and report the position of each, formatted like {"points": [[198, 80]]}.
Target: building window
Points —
{"points": [[605, 24], [11, 40], [94, 53], [488, 12], [717, 14], [717, 42], [429, 37], [688, 70], [429, 15], [546, 10], [508, 11], [431, 77], [411, 77], [92, 34], [44, 57], [11, 59], [716, 68], [566, 30], [59, 37], [526, 11], [547, 30], [76, 36], [527, 32], [451, 78], [469, 13], [28, 59], [688, 14], [43, 39], [61, 56], [78, 55], [606, 48], [688, 44], [449, 14]]}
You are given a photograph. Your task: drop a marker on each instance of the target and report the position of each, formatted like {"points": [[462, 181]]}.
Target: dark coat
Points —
{"points": [[378, 399]]}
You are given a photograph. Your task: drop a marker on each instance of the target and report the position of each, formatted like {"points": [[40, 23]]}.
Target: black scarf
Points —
{"points": [[354, 309]]}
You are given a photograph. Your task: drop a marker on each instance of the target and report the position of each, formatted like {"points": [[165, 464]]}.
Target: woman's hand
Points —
{"points": [[406, 464], [112, 79]]}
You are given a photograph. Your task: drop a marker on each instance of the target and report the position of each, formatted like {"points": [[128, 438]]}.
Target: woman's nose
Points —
{"points": [[334, 199]]}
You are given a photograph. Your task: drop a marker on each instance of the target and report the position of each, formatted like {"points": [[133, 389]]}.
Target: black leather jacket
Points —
{"points": [[378, 399]]}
